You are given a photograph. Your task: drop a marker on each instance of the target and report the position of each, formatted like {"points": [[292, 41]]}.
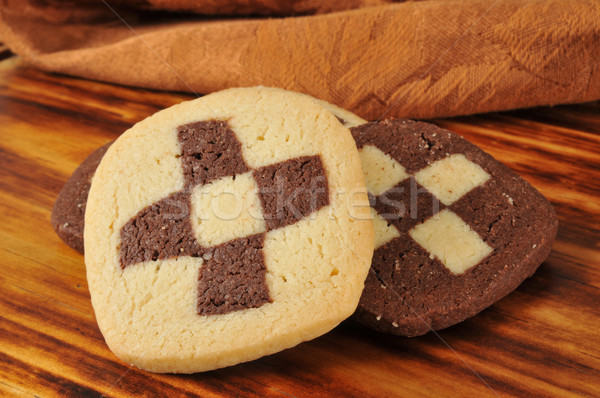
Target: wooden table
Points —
{"points": [[542, 340]]}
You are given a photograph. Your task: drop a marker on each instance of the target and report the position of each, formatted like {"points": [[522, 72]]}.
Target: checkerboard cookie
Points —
{"points": [[347, 118], [69, 207], [455, 230], [226, 228]]}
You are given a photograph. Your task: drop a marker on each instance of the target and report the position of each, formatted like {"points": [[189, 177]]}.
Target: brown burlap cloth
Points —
{"points": [[413, 59]]}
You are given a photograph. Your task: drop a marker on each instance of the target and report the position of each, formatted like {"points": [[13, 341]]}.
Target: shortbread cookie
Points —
{"points": [[69, 209], [345, 117], [455, 230], [226, 228]]}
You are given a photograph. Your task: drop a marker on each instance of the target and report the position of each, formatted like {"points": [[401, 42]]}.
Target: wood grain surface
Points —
{"points": [[542, 340]]}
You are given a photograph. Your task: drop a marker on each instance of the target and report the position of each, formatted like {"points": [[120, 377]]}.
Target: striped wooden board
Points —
{"points": [[542, 340]]}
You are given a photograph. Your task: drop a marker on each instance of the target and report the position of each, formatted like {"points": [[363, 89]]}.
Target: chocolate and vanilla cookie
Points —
{"points": [[69, 208], [226, 228], [347, 118], [455, 230]]}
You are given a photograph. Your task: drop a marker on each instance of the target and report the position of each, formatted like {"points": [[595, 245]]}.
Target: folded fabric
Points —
{"points": [[414, 59]]}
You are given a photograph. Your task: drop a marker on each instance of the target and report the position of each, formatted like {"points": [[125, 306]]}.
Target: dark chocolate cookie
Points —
{"points": [[69, 209], [455, 229]]}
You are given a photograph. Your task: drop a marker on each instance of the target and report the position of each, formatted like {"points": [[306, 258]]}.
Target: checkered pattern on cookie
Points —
{"points": [[446, 215], [226, 228], [187, 223], [421, 201]]}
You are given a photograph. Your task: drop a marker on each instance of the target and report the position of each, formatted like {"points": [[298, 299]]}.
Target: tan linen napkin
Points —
{"points": [[414, 59]]}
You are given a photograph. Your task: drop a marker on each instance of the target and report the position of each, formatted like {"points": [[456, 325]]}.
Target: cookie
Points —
{"points": [[347, 118], [455, 230], [69, 208], [226, 228]]}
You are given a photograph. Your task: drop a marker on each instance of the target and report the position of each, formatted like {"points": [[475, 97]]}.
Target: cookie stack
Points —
{"points": [[247, 221]]}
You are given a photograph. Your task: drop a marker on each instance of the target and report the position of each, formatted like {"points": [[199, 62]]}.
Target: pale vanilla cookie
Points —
{"points": [[226, 228], [455, 230], [345, 117]]}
